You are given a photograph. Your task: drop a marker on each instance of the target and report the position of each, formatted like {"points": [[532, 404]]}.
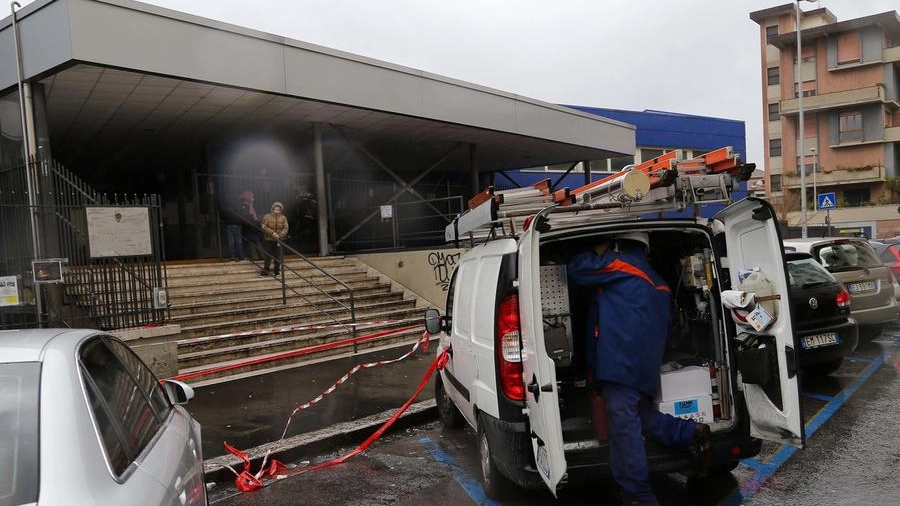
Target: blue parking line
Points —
{"points": [[764, 471], [813, 395], [859, 359], [470, 485]]}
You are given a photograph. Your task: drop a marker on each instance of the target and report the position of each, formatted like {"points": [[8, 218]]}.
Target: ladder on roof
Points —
{"points": [[666, 183]]}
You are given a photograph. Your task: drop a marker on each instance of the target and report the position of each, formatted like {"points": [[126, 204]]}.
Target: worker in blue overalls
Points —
{"points": [[627, 329]]}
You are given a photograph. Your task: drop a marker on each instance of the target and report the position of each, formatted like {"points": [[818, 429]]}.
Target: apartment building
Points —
{"points": [[849, 95]]}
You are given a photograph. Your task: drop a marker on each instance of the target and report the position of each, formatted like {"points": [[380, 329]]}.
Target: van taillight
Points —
{"points": [[842, 299], [509, 349]]}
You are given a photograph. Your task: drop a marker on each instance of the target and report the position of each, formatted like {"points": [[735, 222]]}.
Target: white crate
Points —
{"points": [[691, 381]]}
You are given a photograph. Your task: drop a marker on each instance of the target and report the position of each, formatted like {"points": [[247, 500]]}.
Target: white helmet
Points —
{"points": [[641, 237]]}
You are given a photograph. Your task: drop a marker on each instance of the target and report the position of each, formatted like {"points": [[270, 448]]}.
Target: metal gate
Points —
{"points": [[72, 257]]}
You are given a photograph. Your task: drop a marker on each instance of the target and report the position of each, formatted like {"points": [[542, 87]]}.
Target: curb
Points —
{"points": [[314, 443]]}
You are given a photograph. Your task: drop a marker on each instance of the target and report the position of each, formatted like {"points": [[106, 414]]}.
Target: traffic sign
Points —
{"points": [[827, 201]]}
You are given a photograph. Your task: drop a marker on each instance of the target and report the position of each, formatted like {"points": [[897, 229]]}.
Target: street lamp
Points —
{"points": [[802, 166]]}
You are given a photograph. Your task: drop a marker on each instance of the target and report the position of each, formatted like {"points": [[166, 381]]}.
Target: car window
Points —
{"points": [[19, 390], [806, 272], [847, 255], [123, 400]]}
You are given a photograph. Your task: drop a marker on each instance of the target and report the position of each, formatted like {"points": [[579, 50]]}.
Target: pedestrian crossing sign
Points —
{"points": [[827, 201]]}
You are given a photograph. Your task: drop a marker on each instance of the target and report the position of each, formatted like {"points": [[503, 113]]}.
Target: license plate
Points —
{"points": [[818, 340], [864, 286]]}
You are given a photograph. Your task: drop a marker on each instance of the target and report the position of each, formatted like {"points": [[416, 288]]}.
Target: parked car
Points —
{"points": [[516, 329], [85, 421], [854, 263], [825, 330], [890, 255]]}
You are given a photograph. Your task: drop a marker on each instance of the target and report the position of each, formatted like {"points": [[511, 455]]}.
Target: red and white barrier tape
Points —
{"points": [[247, 481], [294, 353]]}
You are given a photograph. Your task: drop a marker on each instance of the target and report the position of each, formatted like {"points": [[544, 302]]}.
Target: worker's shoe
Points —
{"points": [[700, 444]]}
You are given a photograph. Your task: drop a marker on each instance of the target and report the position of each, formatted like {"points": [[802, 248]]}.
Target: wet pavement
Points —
{"points": [[252, 411]]}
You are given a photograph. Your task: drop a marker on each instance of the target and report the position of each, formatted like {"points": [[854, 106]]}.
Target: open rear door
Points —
{"points": [[539, 370], [767, 360]]}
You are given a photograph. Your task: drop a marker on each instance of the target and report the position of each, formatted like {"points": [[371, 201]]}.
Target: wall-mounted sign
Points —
{"points": [[119, 231], [47, 271], [9, 291]]}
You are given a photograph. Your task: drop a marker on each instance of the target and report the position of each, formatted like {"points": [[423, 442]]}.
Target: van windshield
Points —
{"points": [[19, 433]]}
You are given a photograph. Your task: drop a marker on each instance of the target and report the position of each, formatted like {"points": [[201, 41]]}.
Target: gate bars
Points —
{"points": [[105, 293]]}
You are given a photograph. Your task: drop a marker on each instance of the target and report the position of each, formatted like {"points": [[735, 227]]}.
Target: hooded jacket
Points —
{"points": [[628, 321], [275, 224]]}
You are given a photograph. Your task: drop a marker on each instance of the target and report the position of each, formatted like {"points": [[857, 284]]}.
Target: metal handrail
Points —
{"points": [[285, 286]]}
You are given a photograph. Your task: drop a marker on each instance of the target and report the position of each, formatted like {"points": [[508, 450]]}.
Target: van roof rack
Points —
{"points": [[668, 182]]}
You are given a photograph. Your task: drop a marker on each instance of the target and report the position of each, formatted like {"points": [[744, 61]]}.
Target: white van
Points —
{"points": [[514, 329]]}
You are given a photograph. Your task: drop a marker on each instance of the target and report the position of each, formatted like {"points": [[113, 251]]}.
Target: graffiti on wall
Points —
{"points": [[442, 264]]}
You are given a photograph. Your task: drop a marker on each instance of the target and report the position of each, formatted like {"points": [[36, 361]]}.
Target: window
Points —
{"points": [[126, 400], [774, 112], [858, 197], [771, 31], [850, 126], [19, 391], [772, 76], [848, 48], [619, 163], [809, 89], [649, 154], [775, 182], [774, 147], [808, 53]]}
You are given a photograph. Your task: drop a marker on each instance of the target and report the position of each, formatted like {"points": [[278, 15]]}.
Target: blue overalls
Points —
{"points": [[627, 328]]}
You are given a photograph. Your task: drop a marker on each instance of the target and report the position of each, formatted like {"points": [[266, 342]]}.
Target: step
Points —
{"points": [[244, 272], [277, 360], [264, 291], [204, 304], [254, 331], [294, 308], [309, 318], [256, 282]]}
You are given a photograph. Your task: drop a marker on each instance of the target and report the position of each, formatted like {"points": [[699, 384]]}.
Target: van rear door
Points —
{"points": [[539, 370], [770, 381]]}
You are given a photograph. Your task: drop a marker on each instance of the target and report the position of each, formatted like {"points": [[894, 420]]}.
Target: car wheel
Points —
{"points": [[447, 411], [496, 486], [825, 368], [870, 332]]}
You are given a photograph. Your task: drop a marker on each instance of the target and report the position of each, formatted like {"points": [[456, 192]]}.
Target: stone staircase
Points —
{"points": [[235, 322]]}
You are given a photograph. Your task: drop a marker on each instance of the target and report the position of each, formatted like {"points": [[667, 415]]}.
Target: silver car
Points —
{"points": [[84, 421], [855, 264]]}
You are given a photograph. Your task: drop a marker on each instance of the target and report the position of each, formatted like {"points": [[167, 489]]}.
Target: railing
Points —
{"points": [[286, 286]]}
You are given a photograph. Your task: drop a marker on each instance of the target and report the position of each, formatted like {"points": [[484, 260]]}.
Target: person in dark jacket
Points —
{"points": [[627, 329], [237, 217]]}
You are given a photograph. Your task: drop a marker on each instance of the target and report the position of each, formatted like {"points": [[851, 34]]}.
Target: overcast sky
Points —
{"points": [[689, 56]]}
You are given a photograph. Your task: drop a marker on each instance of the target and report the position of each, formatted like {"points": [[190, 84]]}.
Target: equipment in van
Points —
{"points": [[666, 183]]}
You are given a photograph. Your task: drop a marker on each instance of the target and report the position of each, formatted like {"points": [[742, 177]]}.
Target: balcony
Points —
{"points": [[834, 178], [868, 95], [892, 134]]}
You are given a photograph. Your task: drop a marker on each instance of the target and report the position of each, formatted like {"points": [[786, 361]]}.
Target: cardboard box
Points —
{"points": [[698, 409], [692, 381]]}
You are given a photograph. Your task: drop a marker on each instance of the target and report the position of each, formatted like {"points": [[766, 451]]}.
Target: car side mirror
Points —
{"points": [[177, 391], [433, 322]]}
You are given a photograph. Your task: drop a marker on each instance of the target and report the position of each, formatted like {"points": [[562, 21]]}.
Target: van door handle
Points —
{"points": [[535, 390]]}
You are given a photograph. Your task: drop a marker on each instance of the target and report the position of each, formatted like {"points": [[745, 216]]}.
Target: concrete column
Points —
{"points": [[473, 166], [319, 160]]}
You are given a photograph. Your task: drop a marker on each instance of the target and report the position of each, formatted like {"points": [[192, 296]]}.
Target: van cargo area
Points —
{"points": [[696, 375]]}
